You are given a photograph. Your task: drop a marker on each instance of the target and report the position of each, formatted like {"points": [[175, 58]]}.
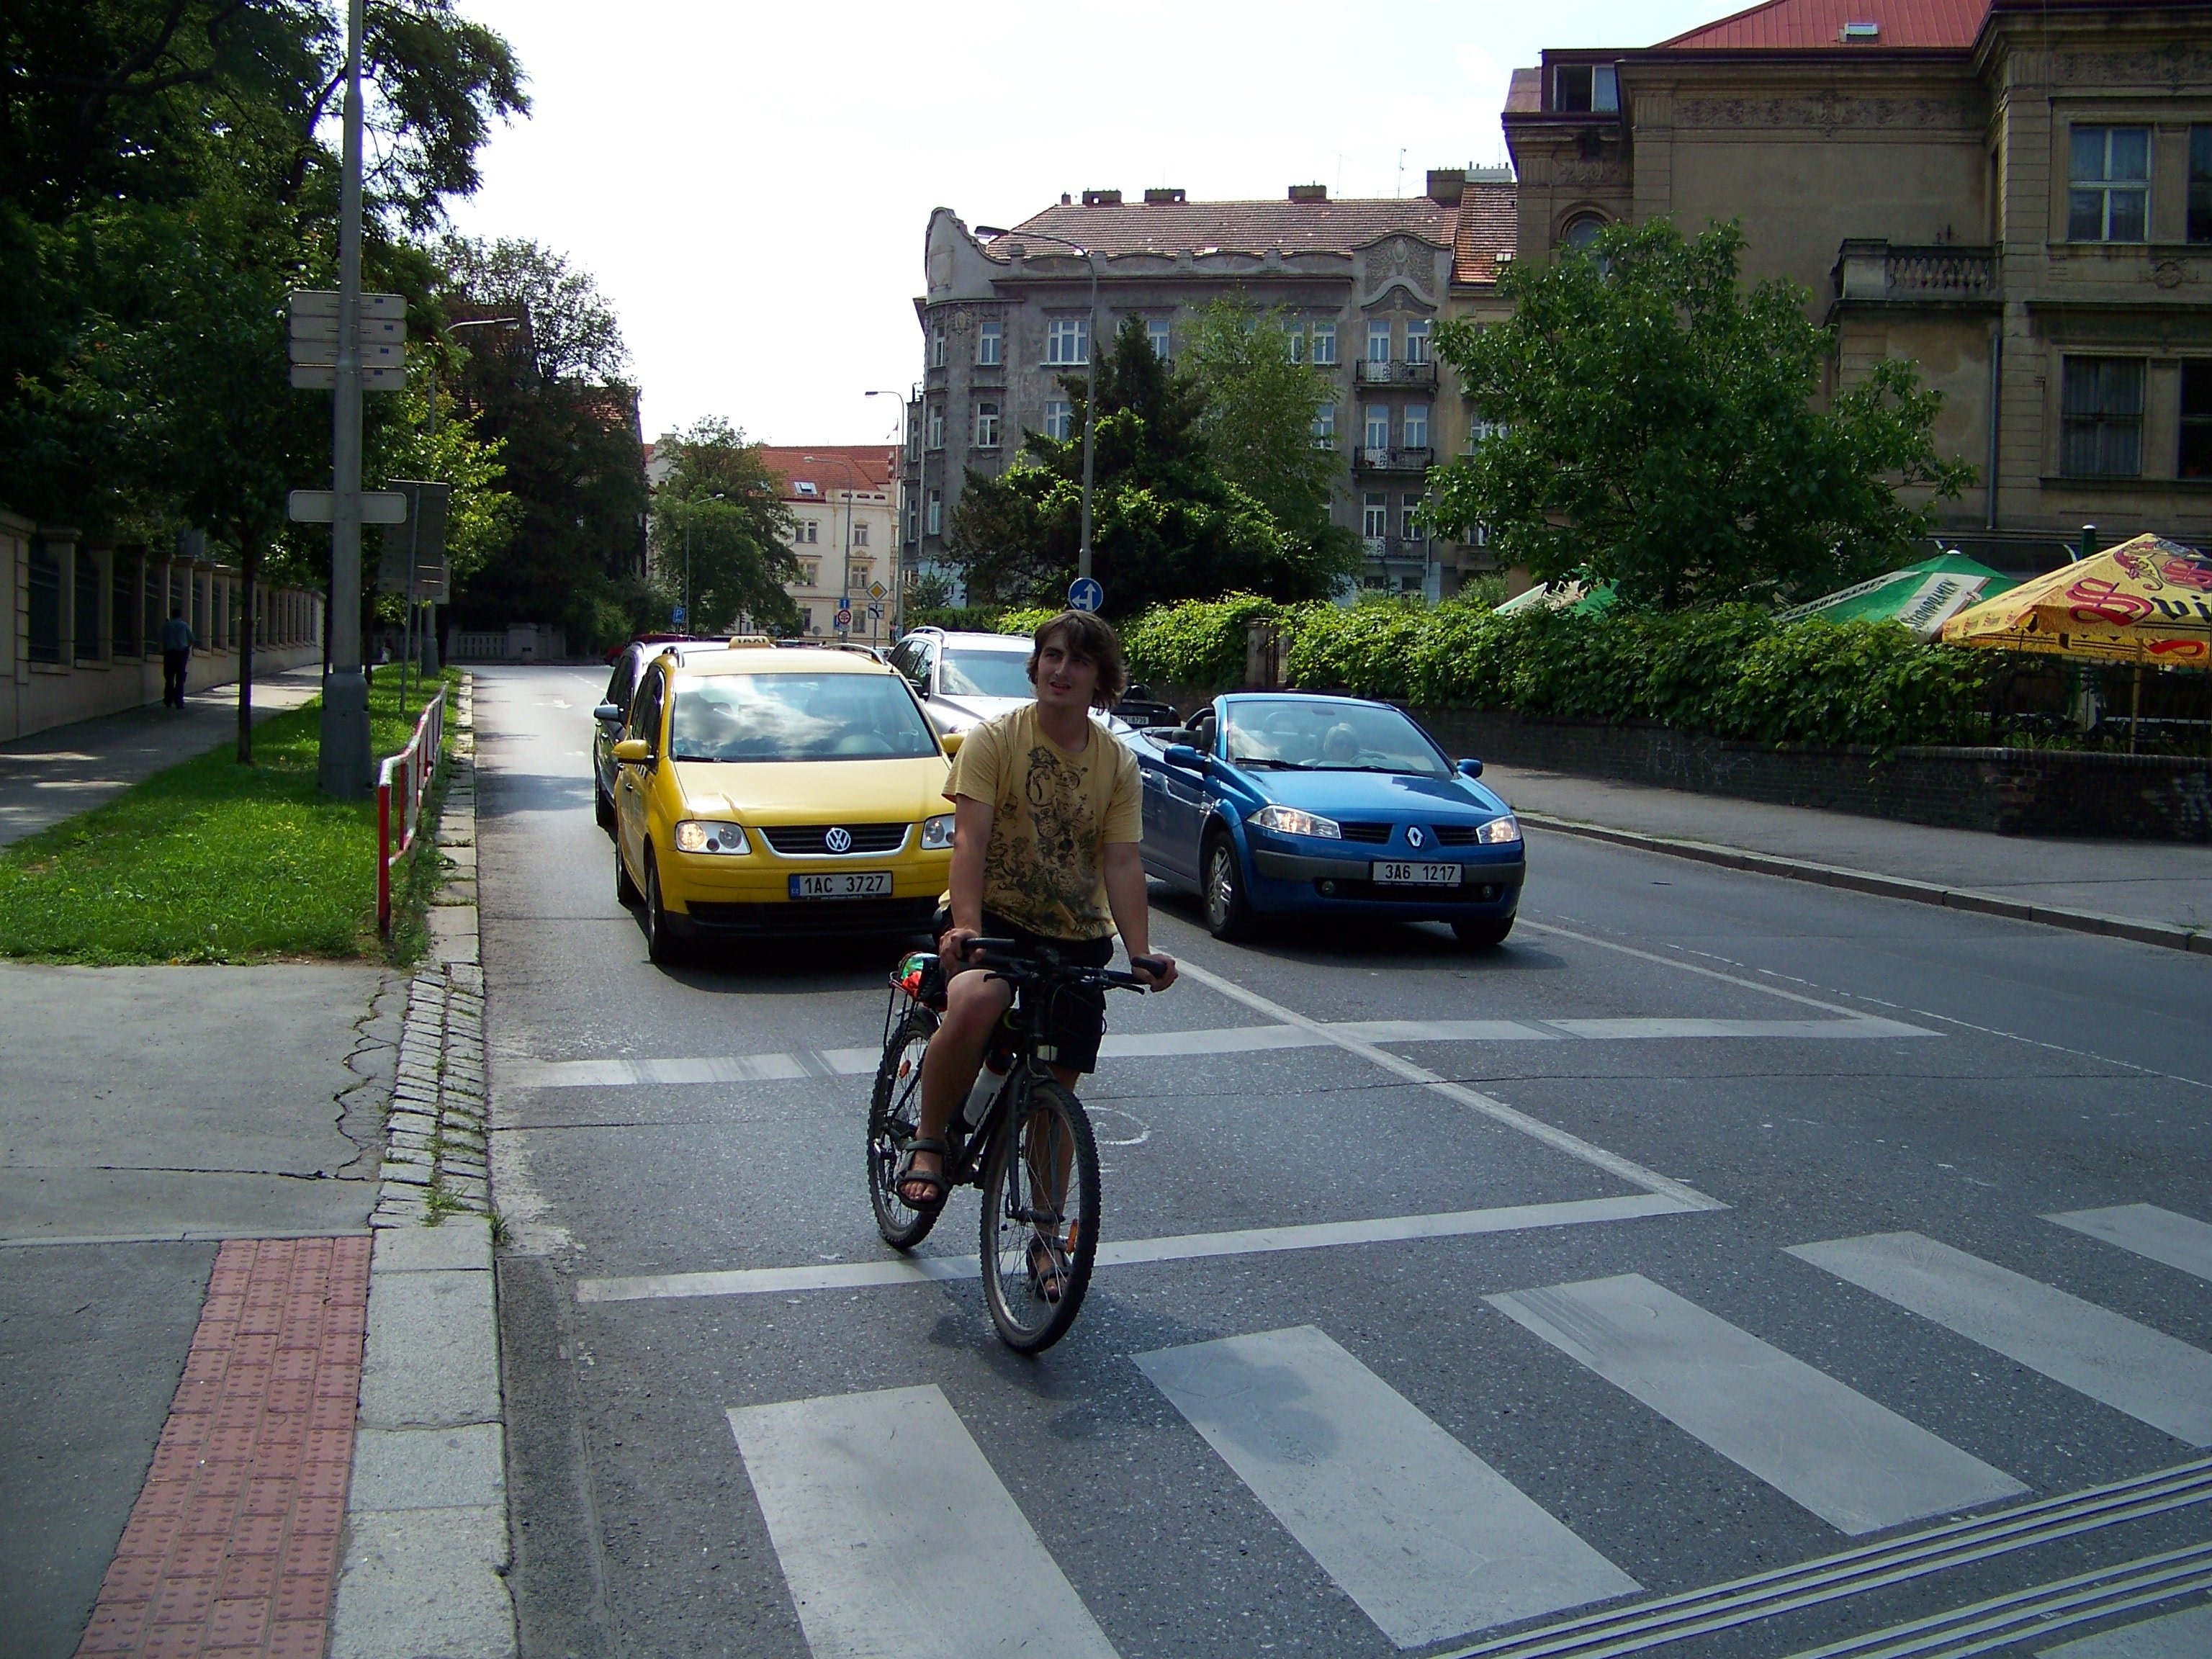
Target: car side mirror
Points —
{"points": [[951, 740], [607, 711], [1470, 768], [1183, 755], [632, 752]]}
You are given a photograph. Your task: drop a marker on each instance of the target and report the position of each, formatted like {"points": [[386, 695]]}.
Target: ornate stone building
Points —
{"points": [[2015, 194], [842, 498], [1360, 284]]}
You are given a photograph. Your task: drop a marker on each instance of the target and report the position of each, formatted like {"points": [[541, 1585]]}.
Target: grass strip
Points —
{"points": [[212, 861]]}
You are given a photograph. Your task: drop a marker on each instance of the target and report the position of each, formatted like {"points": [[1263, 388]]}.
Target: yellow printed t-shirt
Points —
{"points": [[1054, 816]]}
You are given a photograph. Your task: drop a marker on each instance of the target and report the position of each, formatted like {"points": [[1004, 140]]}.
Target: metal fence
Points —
{"points": [[403, 783]]}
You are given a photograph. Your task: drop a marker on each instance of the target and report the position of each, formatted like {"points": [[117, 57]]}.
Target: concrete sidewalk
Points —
{"points": [[54, 774], [2156, 887]]}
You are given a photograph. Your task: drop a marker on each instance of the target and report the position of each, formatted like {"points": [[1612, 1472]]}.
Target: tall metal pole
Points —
{"points": [[343, 767], [1089, 421]]}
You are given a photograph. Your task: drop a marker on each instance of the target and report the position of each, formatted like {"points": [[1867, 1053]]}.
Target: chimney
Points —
{"points": [[1152, 198], [1310, 193], [1065, 198], [1101, 198], [1445, 185]]}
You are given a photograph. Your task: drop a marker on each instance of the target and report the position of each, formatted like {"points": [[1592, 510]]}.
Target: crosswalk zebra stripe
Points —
{"points": [[2130, 1367], [2184, 1635], [895, 1536], [2179, 1241], [1429, 1540], [1853, 1462]]}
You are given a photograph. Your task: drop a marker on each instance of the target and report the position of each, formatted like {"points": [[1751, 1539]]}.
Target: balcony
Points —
{"points": [[1896, 274], [1391, 460], [1397, 550], [1422, 374]]}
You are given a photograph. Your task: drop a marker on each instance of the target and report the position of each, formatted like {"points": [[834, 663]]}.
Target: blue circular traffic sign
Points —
{"points": [[1086, 594]]}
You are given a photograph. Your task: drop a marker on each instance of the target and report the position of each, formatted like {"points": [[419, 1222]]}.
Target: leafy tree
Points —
{"points": [[1658, 429], [720, 488], [1167, 525], [1259, 408]]}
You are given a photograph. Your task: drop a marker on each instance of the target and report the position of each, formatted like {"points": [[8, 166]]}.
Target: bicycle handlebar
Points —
{"points": [[1004, 957]]}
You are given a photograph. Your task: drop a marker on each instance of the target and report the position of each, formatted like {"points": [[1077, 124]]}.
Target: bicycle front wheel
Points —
{"points": [[1040, 1218], [894, 1116]]}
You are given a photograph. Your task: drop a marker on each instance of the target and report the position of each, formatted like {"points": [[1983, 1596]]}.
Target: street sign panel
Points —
{"points": [[1086, 594], [844, 617], [678, 615], [419, 541], [877, 590], [324, 302], [321, 507], [324, 377], [875, 609], [326, 328], [374, 354]]}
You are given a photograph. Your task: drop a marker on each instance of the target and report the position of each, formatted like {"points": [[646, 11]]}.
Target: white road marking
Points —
{"points": [[1497, 1110], [1853, 1462], [895, 1536], [1428, 1539], [1187, 1247], [2179, 1241], [2186, 1635], [2130, 1367], [1223, 1040]]}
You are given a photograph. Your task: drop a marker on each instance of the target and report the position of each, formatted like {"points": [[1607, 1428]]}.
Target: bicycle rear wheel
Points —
{"points": [[894, 1115], [1040, 1230]]}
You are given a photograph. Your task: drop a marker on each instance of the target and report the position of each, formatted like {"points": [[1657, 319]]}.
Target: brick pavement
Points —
{"points": [[233, 1545]]}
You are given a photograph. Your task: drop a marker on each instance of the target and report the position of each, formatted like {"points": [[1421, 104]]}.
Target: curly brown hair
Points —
{"points": [[1093, 639]]}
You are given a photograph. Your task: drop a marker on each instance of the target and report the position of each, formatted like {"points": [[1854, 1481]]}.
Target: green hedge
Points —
{"points": [[981, 619], [1732, 671]]}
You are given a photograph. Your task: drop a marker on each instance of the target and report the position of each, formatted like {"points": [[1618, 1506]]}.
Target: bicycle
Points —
{"points": [[1019, 1139]]}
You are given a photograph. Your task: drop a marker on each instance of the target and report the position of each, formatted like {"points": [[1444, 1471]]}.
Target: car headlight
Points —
{"points": [[1498, 832], [937, 833], [1290, 821], [704, 835]]}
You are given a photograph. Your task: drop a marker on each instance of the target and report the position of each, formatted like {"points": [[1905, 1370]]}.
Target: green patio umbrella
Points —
{"points": [[1923, 596]]}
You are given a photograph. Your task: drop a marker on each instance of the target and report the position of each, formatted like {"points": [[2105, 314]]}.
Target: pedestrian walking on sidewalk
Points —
{"points": [[177, 642]]}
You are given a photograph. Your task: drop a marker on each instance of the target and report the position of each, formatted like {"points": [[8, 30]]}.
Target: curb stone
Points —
{"points": [[1884, 886], [426, 1548]]}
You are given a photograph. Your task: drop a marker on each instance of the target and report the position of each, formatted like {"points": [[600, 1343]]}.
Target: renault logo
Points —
{"points": [[838, 840], [1414, 837]]}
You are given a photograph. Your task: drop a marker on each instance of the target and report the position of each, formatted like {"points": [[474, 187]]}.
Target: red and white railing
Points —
{"points": [[402, 784]]}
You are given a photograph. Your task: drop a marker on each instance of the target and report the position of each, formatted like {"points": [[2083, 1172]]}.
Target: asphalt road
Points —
{"points": [[1542, 1351]]}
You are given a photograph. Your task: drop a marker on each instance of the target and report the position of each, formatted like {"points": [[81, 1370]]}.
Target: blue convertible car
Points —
{"points": [[1282, 803]]}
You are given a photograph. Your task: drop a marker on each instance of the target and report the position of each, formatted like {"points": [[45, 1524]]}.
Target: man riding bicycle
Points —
{"points": [[1047, 819]]}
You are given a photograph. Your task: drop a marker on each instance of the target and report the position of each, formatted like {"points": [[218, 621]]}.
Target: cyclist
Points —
{"points": [[1046, 822]]}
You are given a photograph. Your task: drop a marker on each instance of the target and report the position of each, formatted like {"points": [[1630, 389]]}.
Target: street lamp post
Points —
{"points": [[1090, 387], [427, 641], [898, 522], [691, 501]]}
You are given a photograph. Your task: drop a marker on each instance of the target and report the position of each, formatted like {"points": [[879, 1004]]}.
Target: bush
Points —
{"points": [[1198, 643]]}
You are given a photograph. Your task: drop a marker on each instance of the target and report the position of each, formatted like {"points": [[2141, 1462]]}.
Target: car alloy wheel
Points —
{"points": [[1228, 912], [660, 930]]}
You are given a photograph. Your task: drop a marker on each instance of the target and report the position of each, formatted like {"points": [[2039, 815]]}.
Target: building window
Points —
{"points": [[1416, 340], [1581, 230], [1059, 419], [913, 521], [1409, 519], [1482, 432], [1416, 426], [1374, 516], [2196, 460], [936, 513], [937, 426], [1324, 426], [2110, 185], [913, 433], [1378, 342], [1066, 340], [990, 342], [1324, 343], [987, 426], [809, 573], [1294, 339], [860, 535], [1160, 332], [2100, 422], [809, 531], [2200, 184], [1378, 426], [1586, 89], [937, 346]]}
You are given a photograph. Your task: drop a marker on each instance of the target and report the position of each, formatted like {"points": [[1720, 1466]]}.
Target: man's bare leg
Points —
{"points": [[974, 1004]]}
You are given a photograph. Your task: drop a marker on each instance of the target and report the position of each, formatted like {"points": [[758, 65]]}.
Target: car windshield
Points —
{"points": [[987, 674], [790, 717], [1285, 734]]}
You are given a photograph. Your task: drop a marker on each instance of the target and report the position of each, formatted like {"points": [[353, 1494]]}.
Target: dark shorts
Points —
{"points": [[1069, 1031]]}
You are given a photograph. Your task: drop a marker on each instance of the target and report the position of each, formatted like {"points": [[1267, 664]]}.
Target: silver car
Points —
{"points": [[964, 679]]}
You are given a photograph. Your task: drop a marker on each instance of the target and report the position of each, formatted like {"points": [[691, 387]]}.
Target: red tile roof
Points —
{"points": [[1798, 25], [1489, 225], [1239, 227], [866, 467]]}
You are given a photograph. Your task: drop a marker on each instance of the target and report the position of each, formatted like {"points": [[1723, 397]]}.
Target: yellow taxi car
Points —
{"points": [[770, 789]]}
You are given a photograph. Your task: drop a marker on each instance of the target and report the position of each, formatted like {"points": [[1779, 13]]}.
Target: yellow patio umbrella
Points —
{"points": [[2146, 601]]}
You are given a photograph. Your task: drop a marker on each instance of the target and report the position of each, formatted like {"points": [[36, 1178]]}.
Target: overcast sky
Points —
{"points": [[749, 184]]}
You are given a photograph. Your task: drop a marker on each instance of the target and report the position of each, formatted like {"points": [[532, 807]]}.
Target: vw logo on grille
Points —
{"points": [[1414, 837], [837, 841]]}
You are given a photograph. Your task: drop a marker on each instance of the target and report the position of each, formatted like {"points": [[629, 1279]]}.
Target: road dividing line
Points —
{"points": [[1185, 1247], [2177, 1635], [1428, 1539], [897, 1537], [2179, 1241], [1855, 1464], [1497, 1110], [2092, 1350]]}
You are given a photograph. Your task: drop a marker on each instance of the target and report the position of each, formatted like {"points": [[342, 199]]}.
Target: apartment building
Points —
{"points": [[1360, 284], [2016, 195], [843, 502]]}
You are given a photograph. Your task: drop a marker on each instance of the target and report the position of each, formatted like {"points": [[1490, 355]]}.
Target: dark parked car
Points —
{"points": [[621, 685]]}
